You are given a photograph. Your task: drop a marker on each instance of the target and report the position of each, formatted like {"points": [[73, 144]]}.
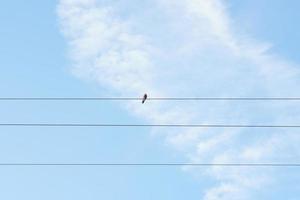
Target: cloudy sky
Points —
{"points": [[167, 48]]}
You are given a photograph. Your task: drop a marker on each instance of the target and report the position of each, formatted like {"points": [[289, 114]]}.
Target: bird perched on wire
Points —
{"points": [[144, 98]]}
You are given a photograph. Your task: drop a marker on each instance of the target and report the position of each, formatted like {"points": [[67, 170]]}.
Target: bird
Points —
{"points": [[144, 98]]}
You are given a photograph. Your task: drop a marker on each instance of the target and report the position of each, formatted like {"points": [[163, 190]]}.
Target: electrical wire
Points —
{"points": [[150, 99], [160, 164], [147, 125]]}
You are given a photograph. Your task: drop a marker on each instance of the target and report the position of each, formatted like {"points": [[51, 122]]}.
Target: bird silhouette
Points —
{"points": [[144, 98]]}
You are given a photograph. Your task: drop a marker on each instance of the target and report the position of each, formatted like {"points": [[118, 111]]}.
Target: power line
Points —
{"points": [[149, 99], [160, 164], [147, 125], [68, 98]]}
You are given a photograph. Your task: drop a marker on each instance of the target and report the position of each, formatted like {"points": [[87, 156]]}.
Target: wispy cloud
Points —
{"points": [[201, 54]]}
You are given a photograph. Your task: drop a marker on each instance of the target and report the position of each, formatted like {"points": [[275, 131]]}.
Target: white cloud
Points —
{"points": [[206, 58]]}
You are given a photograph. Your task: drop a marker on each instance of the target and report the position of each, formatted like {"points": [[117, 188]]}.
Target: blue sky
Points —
{"points": [[42, 56]]}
